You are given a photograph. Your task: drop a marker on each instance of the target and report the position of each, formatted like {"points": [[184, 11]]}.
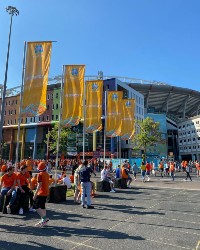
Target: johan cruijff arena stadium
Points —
{"points": [[177, 109]]}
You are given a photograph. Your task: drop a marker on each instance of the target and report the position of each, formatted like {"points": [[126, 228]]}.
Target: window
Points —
{"points": [[57, 95], [5, 112], [26, 120], [15, 121], [8, 102], [56, 117], [15, 112], [48, 107], [11, 112], [179, 127], [47, 118], [11, 122], [8, 122], [39, 119], [52, 106], [51, 96], [56, 105], [16, 102], [43, 118], [52, 117], [48, 96], [31, 119]]}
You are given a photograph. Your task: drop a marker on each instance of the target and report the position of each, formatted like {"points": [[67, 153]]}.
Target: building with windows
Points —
{"points": [[189, 138], [33, 130]]}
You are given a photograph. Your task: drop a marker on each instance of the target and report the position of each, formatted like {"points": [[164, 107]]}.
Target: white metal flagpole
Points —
{"points": [[105, 117], [84, 116], [60, 118], [20, 107]]}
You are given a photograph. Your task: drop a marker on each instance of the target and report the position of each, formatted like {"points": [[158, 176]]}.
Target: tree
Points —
{"points": [[147, 135], [52, 139]]}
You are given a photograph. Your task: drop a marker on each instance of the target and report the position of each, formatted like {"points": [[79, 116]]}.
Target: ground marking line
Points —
{"points": [[169, 244], [76, 243]]}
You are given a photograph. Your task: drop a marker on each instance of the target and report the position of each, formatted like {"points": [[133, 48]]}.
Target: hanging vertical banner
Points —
{"points": [[72, 109], [94, 92], [38, 58], [128, 119], [113, 117]]}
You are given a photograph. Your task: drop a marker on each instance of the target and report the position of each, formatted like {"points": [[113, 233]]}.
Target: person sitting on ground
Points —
{"points": [[66, 181], [23, 179], [105, 176], [125, 175], [7, 187]]}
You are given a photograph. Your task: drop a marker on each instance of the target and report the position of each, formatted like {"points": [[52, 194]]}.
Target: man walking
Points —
{"points": [[84, 177]]}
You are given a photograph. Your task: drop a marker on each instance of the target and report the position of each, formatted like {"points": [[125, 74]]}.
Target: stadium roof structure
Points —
{"points": [[180, 102], [159, 97]]}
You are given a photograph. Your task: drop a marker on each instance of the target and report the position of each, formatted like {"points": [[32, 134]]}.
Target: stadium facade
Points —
{"points": [[171, 106]]}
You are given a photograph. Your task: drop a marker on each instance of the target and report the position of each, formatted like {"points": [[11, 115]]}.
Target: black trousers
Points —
{"points": [[22, 197], [188, 176]]}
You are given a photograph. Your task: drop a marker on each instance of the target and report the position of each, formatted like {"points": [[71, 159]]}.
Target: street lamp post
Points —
{"points": [[11, 11]]}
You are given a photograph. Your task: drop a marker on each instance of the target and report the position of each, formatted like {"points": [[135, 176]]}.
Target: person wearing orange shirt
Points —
{"points": [[148, 170], [33, 182], [41, 194], [125, 174], [23, 179], [7, 187], [172, 169], [29, 164], [161, 168], [51, 180]]}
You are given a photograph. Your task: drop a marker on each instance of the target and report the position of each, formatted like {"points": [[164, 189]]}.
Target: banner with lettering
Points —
{"points": [[94, 93], [38, 58], [72, 109], [128, 119], [113, 117]]}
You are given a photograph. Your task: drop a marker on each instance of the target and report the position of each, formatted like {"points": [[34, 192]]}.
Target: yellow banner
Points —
{"points": [[94, 92], [36, 78], [128, 119], [113, 119], [72, 110]]}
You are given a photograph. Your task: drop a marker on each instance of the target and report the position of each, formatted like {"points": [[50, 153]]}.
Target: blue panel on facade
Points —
{"points": [[30, 134]]}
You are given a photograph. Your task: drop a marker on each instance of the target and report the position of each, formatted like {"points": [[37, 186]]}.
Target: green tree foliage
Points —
{"points": [[148, 135], [52, 139]]}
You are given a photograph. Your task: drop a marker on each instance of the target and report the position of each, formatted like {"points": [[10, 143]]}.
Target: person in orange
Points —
{"points": [[23, 179], [197, 168], [7, 187], [41, 194], [161, 168], [125, 174], [29, 164], [51, 180], [148, 170], [33, 182], [172, 169]]}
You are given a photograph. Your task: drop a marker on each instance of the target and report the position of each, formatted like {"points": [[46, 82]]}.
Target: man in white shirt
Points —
{"points": [[105, 177]]}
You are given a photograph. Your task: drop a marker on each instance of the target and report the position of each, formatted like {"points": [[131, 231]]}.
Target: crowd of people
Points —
{"points": [[23, 183]]}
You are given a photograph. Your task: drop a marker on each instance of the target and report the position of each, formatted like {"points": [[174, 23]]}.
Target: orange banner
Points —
{"points": [[72, 110], [113, 118], [128, 119], [36, 78], [94, 92]]}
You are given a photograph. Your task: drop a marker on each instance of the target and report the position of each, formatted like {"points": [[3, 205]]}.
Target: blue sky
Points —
{"points": [[146, 39]]}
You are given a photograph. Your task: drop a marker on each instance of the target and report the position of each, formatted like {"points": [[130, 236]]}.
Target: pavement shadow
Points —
{"points": [[131, 210], [13, 246], [60, 231]]}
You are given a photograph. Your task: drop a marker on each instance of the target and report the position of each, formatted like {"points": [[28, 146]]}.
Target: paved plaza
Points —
{"points": [[160, 214]]}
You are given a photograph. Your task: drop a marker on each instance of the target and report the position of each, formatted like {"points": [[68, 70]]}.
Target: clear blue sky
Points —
{"points": [[145, 39]]}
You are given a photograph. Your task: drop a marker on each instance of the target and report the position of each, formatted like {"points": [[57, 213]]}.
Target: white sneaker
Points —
{"points": [[112, 191], [32, 209], [21, 211], [129, 186]]}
